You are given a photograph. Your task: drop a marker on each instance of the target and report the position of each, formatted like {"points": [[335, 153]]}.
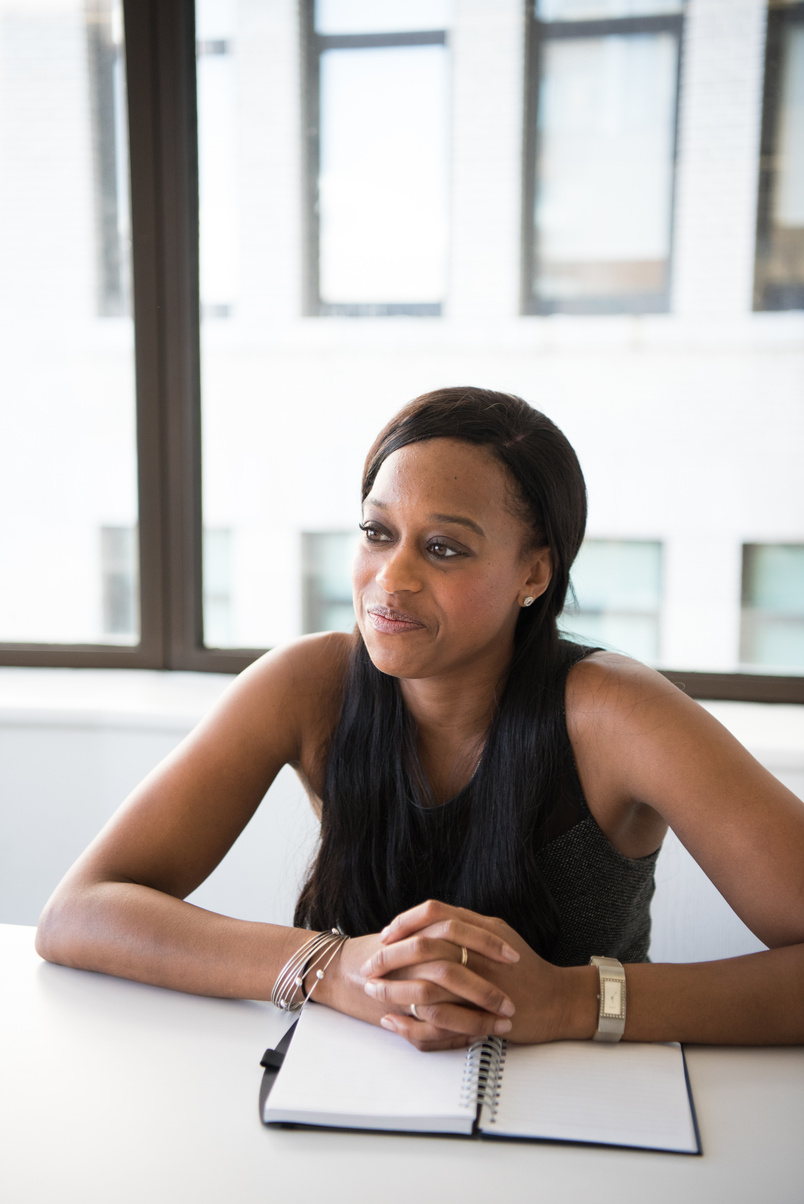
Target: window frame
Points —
{"points": [[538, 32], [779, 17], [160, 58], [314, 45]]}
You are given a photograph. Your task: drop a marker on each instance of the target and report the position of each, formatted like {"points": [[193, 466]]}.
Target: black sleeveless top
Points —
{"points": [[603, 898]]}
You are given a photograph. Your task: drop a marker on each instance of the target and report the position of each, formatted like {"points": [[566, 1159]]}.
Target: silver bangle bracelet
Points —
{"points": [[288, 993]]}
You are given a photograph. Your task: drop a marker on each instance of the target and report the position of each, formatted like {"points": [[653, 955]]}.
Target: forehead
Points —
{"points": [[442, 474]]}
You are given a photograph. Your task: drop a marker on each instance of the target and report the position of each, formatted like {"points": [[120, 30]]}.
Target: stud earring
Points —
{"points": [[528, 601]]}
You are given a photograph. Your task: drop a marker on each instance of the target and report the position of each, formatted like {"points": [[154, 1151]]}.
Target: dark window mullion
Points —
{"points": [[368, 41], [179, 348], [143, 120], [609, 26]]}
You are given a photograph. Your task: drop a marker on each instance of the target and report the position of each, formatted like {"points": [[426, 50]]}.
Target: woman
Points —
{"points": [[492, 798]]}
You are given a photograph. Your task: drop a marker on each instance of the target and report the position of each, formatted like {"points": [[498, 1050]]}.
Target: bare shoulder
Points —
{"points": [[293, 692], [308, 663], [608, 683], [616, 706]]}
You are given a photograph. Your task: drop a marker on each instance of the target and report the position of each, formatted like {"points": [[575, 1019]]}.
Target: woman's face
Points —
{"points": [[441, 572]]}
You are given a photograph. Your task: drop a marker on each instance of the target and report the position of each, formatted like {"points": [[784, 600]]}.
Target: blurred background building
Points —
{"points": [[596, 204]]}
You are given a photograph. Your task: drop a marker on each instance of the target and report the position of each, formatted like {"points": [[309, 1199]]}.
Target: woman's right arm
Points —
{"points": [[121, 909]]}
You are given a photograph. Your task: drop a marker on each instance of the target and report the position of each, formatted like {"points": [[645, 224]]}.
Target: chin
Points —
{"points": [[394, 661]]}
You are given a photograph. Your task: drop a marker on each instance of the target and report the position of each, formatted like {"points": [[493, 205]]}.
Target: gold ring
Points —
{"points": [[413, 1011], [464, 955]]}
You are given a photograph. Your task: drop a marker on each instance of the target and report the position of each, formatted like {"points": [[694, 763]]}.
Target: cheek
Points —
{"points": [[362, 576], [480, 600]]}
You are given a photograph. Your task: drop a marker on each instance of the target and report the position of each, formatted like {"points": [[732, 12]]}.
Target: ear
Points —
{"points": [[540, 570]]}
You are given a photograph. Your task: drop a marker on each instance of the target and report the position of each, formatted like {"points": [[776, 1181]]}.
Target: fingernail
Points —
{"points": [[502, 1026], [365, 969], [507, 1008], [371, 987], [510, 954], [385, 930], [388, 1023]]}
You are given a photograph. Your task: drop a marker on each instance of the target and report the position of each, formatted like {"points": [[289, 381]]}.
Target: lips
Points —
{"points": [[392, 622]]}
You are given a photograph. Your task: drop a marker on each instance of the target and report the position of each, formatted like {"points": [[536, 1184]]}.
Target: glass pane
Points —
{"points": [[618, 575], [217, 169], [68, 471], [327, 558], [604, 167], [595, 10], [618, 589], [772, 627], [387, 16], [383, 176], [780, 266], [773, 578]]}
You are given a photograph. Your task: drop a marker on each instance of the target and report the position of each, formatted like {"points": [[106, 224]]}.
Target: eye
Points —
{"points": [[442, 551], [374, 533]]}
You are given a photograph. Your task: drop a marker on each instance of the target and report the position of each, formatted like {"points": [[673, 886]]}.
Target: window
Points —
{"points": [[599, 178], [237, 475], [618, 587], [68, 456], [378, 158], [118, 547], [327, 597], [107, 85], [217, 604], [772, 629], [217, 164], [779, 280]]}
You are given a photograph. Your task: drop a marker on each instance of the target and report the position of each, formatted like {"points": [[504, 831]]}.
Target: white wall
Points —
{"points": [[73, 743]]}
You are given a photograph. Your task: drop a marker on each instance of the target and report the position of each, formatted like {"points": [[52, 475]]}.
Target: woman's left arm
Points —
{"points": [[644, 749], [647, 754]]}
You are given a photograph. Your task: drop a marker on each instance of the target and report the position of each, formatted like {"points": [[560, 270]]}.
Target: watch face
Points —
{"points": [[612, 1001]]}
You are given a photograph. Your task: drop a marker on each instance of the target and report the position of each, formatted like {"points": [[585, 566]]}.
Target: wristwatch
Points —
{"points": [[611, 1015]]}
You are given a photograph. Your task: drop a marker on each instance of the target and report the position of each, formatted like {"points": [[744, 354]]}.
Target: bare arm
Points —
{"points": [[645, 749], [120, 909]]}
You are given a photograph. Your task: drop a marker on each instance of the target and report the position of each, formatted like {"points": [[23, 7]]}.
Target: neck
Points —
{"points": [[452, 716]]}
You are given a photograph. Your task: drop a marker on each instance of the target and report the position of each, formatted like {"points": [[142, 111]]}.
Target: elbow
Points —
{"points": [[47, 941], [60, 927]]}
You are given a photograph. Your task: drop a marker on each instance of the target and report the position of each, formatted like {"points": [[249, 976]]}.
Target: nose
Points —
{"points": [[399, 571]]}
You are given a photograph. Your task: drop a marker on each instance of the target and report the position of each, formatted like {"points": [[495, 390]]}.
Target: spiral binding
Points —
{"points": [[482, 1074]]}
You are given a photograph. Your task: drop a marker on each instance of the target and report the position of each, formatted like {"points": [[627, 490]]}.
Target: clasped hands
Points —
{"points": [[504, 988]]}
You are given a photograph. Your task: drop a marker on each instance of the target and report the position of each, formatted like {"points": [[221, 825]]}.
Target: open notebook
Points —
{"points": [[340, 1072]]}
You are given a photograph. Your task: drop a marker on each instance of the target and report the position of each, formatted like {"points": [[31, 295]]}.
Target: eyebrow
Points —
{"points": [[435, 518]]}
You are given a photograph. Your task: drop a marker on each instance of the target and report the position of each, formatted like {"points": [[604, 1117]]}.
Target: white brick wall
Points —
{"points": [[718, 156]]}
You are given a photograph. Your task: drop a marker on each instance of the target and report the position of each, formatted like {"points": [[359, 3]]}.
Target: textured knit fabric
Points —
{"points": [[603, 898]]}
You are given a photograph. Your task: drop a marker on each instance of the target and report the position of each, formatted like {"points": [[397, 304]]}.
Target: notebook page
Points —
{"points": [[623, 1094], [344, 1072]]}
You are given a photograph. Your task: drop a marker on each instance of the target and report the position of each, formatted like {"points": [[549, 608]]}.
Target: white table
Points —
{"points": [[112, 1091]]}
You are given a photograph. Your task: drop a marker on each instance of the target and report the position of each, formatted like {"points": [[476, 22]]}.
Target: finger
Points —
{"points": [[436, 981], [425, 1036], [422, 916], [446, 1019], [442, 940], [456, 924]]}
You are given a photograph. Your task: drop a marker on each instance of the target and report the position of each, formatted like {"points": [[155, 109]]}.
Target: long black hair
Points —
{"points": [[383, 849]]}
